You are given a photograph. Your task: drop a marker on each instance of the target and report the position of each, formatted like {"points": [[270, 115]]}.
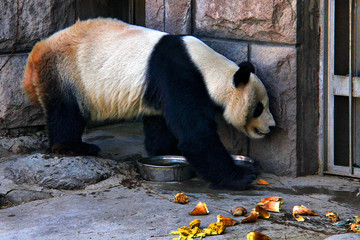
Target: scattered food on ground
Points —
{"points": [[215, 228], [274, 199], [262, 182], [181, 198], [251, 218], [334, 217], [226, 220], [355, 227], [257, 236], [302, 210], [238, 211], [195, 223], [200, 209], [271, 206], [262, 212], [194, 231]]}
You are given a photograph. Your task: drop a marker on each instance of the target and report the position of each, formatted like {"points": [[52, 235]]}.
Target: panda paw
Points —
{"points": [[239, 179], [82, 149]]}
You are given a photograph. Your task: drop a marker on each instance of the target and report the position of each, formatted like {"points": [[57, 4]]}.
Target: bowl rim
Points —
{"points": [[178, 158], [182, 159]]}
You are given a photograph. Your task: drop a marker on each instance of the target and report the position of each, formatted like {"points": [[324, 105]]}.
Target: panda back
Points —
{"points": [[111, 62]]}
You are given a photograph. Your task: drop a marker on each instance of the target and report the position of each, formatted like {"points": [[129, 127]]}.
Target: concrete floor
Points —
{"points": [[128, 208]]}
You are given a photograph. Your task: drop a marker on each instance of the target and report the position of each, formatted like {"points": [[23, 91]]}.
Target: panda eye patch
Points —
{"points": [[258, 110]]}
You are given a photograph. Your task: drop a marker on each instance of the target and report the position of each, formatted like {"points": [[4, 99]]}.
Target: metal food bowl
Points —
{"points": [[175, 168], [243, 161], [165, 169]]}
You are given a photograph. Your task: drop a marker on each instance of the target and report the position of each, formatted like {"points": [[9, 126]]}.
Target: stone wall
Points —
{"points": [[23, 23], [263, 32]]}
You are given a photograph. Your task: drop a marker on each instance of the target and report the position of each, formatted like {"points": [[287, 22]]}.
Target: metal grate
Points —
{"points": [[343, 148]]}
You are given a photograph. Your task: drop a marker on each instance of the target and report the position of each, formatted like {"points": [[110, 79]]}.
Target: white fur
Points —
{"points": [[113, 66], [216, 69]]}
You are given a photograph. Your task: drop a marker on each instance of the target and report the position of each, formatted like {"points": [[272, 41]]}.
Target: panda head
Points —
{"points": [[247, 105]]}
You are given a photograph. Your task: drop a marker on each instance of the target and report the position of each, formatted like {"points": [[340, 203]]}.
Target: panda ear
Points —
{"points": [[243, 74]]}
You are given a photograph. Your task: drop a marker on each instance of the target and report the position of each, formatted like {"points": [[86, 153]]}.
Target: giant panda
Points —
{"points": [[106, 69]]}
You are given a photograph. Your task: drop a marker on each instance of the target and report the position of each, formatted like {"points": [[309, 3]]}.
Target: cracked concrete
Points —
{"points": [[126, 207]]}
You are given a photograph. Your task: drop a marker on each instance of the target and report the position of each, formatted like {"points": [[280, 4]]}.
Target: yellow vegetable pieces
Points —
{"points": [[193, 231], [215, 228]]}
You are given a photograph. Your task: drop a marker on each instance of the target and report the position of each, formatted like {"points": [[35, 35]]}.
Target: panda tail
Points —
{"points": [[32, 81]]}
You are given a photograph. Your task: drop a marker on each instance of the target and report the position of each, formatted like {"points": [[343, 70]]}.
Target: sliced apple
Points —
{"points": [[251, 218], [226, 220], [262, 212], [257, 236], [271, 206], [200, 209], [274, 199], [302, 210], [238, 211]]}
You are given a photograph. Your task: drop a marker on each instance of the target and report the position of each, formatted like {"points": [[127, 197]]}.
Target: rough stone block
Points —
{"points": [[178, 17], [37, 19], [233, 50], [15, 110], [59, 172], [276, 67], [23, 196], [268, 21], [23, 144], [155, 14]]}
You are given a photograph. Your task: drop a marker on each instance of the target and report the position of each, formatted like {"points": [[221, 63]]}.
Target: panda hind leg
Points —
{"points": [[66, 125], [158, 138]]}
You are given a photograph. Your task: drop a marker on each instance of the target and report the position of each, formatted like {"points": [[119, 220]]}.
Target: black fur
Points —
{"points": [[158, 138], [177, 87], [258, 110], [64, 120], [241, 77]]}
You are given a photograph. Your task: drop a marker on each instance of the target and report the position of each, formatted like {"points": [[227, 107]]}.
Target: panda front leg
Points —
{"points": [[159, 140], [202, 147], [66, 126]]}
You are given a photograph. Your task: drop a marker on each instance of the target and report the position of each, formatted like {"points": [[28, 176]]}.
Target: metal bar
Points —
{"points": [[330, 104], [350, 89]]}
